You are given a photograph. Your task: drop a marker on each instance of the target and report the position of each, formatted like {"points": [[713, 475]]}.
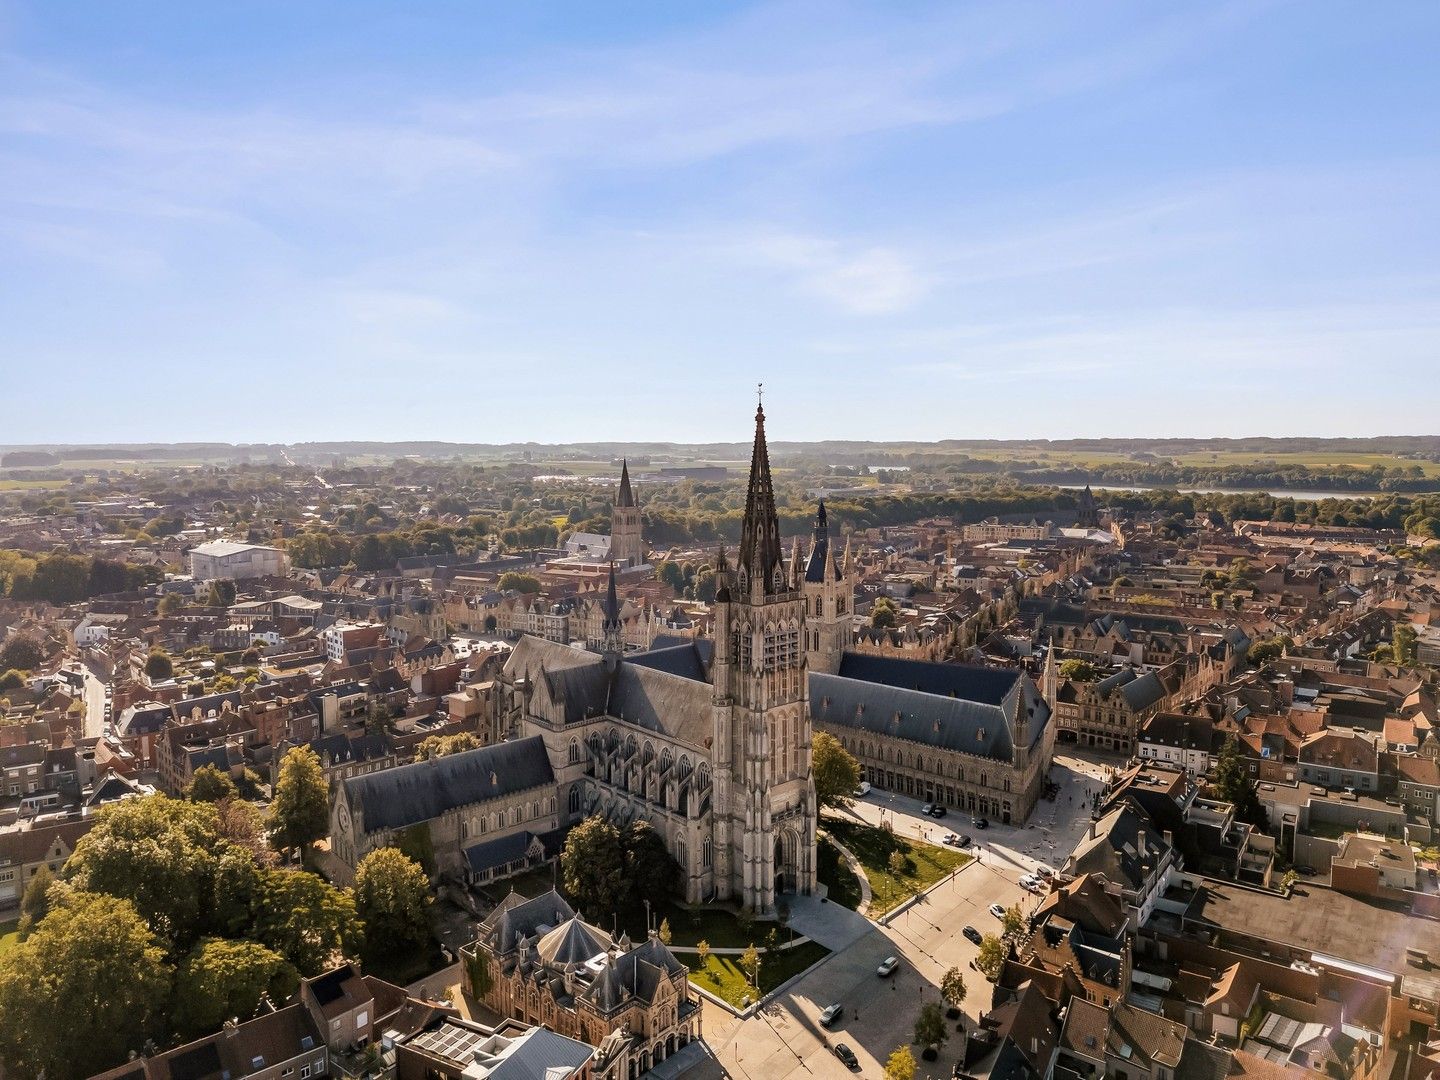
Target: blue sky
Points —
{"points": [[495, 222]]}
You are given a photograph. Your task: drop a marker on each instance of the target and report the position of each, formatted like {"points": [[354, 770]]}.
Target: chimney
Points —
{"points": [[1169, 838]]}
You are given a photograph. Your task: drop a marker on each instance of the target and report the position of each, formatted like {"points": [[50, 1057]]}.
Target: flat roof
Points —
{"points": [[1320, 920]]}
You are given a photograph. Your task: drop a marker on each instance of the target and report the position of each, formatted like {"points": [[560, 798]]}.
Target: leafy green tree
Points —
{"points": [[300, 810], [21, 653], [89, 985], [650, 870], [307, 920], [438, 746], [835, 770], [159, 666], [220, 979], [1403, 643], [221, 594], [884, 612], [35, 901], [991, 960], [930, 1028], [750, 965], [392, 898], [702, 950], [210, 785], [1013, 921], [167, 858], [665, 934], [1233, 783], [1078, 670], [170, 603], [900, 1065], [11, 680], [592, 866], [671, 574], [952, 987], [521, 583], [1262, 652]]}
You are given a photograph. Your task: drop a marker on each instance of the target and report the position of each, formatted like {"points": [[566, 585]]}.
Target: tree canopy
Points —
{"points": [[22, 653], [1233, 783], [438, 746], [930, 1026], [209, 784], [300, 810], [392, 898], [220, 979], [835, 771]]}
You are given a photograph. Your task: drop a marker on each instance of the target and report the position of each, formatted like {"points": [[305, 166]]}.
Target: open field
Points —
{"points": [[721, 975]]}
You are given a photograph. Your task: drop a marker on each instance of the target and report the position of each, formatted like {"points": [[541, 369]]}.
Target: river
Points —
{"points": [[1279, 493]]}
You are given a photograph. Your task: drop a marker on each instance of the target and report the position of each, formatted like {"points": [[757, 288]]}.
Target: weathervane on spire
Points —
{"points": [[760, 393]]}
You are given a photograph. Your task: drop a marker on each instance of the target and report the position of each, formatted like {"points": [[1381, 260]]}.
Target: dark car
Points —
{"points": [[965, 840], [972, 935], [937, 810], [980, 823], [845, 1054], [1308, 871]]}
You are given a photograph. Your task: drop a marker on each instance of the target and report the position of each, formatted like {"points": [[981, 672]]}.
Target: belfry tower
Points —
{"points": [[765, 797], [829, 592], [626, 546]]}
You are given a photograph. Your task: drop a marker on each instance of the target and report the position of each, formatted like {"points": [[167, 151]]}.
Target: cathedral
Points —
{"points": [[709, 739]]}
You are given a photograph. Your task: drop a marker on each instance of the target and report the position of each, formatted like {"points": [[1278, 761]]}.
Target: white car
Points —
{"points": [[863, 789], [997, 911], [887, 967], [1030, 882]]}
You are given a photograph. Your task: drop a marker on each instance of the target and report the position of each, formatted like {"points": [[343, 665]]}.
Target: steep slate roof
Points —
{"points": [[689, 660], [1112, 851], [989, 686], [409, 794]]}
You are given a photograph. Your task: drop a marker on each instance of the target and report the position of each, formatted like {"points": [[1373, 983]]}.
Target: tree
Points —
{"points": [[836, 772], [522, 583], [1013, 921], [89, 985], [392, 898], [170, 603], [930, 1025], [1234, 784], [952, 987], [221, 594], [884, 612], [35, 901], [592, 866], [1262, 652], [307, 920], [896, 862], [750, 964], [11, 680], [158, 666], [1287, 882], [1078, 670], [438, 746], [21, 653], [1402, 643], [167, 858], [665, 934], [210, 785], [651, 872], [300, 810], [992, 956], [900, 1065], [702, 950], [220, 979]]}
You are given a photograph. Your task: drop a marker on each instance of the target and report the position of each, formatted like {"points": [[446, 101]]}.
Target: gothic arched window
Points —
{"points": [[707, 854], [575, 799], [574, 751]]}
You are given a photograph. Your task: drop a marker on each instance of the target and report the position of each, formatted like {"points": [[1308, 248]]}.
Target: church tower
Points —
{"points": [[626, 547], [765, 797], [828, 595]]}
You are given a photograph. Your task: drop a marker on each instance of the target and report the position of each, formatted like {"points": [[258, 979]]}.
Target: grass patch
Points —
{"points": [[923, 864], [721, 975], [841, 884], [9, 936]]}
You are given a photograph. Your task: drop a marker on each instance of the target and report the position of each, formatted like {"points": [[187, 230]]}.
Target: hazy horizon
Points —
{"points": [[561, 224]]}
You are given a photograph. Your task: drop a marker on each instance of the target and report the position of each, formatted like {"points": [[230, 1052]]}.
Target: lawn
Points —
{"points": [[842, 886], [924, 864], [721, 975], [9, 936]]}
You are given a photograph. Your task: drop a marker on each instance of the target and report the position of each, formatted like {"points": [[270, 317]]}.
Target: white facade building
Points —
{"points": [[230, 561]]}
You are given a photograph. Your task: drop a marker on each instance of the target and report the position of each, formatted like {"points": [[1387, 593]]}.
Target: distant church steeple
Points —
{"points": [[610, 626], [626, 546]]}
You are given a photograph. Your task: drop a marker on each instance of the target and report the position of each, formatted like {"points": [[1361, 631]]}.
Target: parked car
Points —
{"points": [[1044, 872], [980, 823], [927, 808], [951, 839], [887, 967], [831, 1013], [997, 911], [1308, 871], [1030, 882], [972, 935], [965, 840], [863, 789], [845, 1054], [937, 810]]}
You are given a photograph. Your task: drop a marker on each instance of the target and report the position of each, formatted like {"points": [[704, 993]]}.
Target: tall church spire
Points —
{"points": [[610, 628], [626, 496], [760, 552], [819, 547]]}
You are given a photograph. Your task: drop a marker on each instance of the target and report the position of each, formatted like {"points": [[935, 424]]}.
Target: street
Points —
{"points": [[94, 703]]}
